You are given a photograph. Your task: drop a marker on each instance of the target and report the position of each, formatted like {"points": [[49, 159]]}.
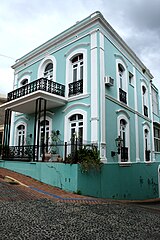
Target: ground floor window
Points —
{"points": [[147, 145], [76, 128], [20, 135], [157, 139]]}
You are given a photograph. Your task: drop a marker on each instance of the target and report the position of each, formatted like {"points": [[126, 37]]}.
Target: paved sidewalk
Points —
{"points": [[38, 190]]}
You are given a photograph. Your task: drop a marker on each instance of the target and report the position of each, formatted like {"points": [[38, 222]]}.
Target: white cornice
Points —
{"points": [[77, 29]]}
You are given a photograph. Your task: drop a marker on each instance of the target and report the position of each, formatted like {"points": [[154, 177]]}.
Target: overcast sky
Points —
{"points": [[26, 24]]}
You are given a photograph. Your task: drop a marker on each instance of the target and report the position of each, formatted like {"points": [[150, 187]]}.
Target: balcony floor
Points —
{"points": [[26, 104]]}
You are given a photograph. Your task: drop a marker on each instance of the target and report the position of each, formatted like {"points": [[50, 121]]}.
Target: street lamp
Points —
{"points": [[118, 142]]}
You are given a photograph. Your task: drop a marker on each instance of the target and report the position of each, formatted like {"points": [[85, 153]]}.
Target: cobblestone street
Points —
{"points": [[28, 214]]}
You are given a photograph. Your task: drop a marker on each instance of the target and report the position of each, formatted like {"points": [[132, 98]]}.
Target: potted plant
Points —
{"points": [[55, 140]]}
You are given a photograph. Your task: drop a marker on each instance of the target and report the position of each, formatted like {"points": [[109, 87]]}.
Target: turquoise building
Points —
{"points": [[86, 82]]}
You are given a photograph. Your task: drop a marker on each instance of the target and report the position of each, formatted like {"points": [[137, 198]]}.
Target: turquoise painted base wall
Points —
{"points": [[55, 174], [134, 182]]}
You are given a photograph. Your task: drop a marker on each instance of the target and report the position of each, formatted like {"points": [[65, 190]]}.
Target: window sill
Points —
{"points": [[79, 96], [148, 162], [125, 164]]}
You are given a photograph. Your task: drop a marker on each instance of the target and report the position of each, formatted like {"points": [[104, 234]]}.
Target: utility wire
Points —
{"points": [[2, 55]]}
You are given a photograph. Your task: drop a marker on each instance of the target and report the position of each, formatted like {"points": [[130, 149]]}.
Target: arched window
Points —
{"points": [[123, 135], [76, 84], [47, 68], [44, 133], [122, 82], [145, 100], [76, 127], [77, 67], [146, 145], [121, 72], [48, 71], [24, 82]]}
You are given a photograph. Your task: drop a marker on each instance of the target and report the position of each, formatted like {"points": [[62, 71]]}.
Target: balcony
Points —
{"points": [[122, 96], [23, 99], [75, 88], [42, 84]]}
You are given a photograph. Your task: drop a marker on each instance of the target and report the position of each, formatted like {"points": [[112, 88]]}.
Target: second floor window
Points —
{"points": [[157, 138], [48, 71], [145, 101], [77, 68], [122, 84], [155, 102]]}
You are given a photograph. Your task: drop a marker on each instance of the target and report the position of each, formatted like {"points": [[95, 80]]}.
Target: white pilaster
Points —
{"points": [[152, 133], [136, 116], [102, 101], [94, 89]]}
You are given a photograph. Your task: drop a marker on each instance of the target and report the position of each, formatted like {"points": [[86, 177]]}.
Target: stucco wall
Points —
{"points": [[134, 182]]}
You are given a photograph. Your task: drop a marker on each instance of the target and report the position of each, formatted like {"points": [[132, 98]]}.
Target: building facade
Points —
{"points": [[2, 116], [85, 82]]}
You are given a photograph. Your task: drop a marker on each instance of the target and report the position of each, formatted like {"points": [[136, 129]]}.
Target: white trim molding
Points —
{"points": [[76, 105], [69, 69], [94, 89], [66, 124], [48, 59]]}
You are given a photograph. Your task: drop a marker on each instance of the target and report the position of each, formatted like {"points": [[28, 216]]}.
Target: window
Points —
{"points": [[157, 138], [76, 86], [77, 67], [123, 135], [122, 83], [48, 71], [131, 78], [146, 145], [20, 135], [155, 102], [76, 128], [24, 82], [145, 100], [44, 133]]}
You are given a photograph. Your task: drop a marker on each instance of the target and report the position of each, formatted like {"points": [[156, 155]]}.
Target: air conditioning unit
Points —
{"points": [[109, 81]]}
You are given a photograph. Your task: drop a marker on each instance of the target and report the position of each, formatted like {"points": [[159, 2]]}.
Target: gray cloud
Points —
{"points": [[26, 24]]}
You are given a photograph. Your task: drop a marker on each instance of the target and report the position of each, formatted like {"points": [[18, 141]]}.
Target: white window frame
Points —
{"points": [[16, 136], [41, 69], [155, 102], [125, 78], [146, 127], [22, 78], [67, 129], [119, 118], [69, 72], [156, 138], [145, 97]]}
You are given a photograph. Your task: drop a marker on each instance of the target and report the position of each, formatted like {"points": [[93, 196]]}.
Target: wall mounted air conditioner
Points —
{"points": [[109, 81]]}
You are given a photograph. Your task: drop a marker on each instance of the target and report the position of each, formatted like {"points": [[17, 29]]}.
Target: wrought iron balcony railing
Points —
{"points": [[124, 154], [40, 84], [122, 96], [75, 88]]}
